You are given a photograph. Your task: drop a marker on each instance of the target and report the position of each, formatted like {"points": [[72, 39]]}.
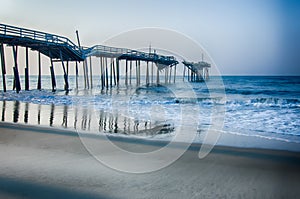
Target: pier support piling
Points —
{"points": [[130, 72], [126, 72], [157, 76], [15, 69], [147, 74], [114, 70], [76, 73], [26, 71], [91, 73], [3, 66], [53, 81], [65, 72], [39, 81], [111, 71], [102, 72], [118, 71], [136, 73], [106, 73]]}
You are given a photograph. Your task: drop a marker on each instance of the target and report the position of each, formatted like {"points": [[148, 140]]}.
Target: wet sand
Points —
{"points": [[45, 162]]}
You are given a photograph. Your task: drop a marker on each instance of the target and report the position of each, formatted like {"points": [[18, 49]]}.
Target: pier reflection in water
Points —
{"points": [[82, 119]]}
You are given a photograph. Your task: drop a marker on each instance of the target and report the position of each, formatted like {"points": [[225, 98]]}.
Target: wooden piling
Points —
{"points": [[87, 73], [39, 82], [68, 68], [26, 71], [118, 71], [166, 75], [53, 81], [170, 75], [111, 70], [152, 72], [15, 69], [130, 72], [102, 72], [106, 72], [114, 70], [136, 73], [139, 67], [147, 74], [157, 76], [126, 72], [84, 74], [76, 73], [91, 72], [175, 73], [65, 72], [3, 66]]}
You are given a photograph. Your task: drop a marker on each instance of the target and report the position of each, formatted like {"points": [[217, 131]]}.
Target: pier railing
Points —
{"points": [[8, 31], [124, 53]]}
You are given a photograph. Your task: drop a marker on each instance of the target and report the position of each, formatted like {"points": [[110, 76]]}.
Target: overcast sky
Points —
{"points": [[242, 37]]}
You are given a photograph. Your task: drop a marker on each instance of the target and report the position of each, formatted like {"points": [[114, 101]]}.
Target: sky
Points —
{"points": [[242, 37]]}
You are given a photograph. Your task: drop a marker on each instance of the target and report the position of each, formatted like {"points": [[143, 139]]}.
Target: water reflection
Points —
{"points": [[16, 111], [26, 113], [3, 111], [80, 118]]}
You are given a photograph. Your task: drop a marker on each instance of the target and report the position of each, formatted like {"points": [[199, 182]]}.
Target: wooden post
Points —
{"points": [[68, 68], [118, 71], [152, 72], [139, 72], [114, 70], [106, 71], [65, 72], [102, 72], [130, 72], [87, 73], [91, 72], [111, 71], [166, 75], [136, 72], [147, 74], [26, 71], [76, 72], [170, 76], [84, 74], [3, 66], [126, 72], [52, 76], [157, 76], [39, 81], [15, 69], [183, 72], [175, 73]]}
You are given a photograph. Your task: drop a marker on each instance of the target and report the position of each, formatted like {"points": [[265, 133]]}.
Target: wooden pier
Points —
{"points": [[198, 72], [61, 49]]}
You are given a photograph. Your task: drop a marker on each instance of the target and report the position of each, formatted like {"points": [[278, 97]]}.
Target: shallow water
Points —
{"points": [[254, 106]]}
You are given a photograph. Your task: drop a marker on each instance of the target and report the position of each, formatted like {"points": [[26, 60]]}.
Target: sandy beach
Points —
{"points": [[41, 162]]}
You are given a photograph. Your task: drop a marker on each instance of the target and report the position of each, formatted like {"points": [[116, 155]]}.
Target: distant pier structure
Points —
{"points": [[197, 72], [111, 59]]}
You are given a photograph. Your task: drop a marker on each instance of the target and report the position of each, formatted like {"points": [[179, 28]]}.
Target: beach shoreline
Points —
{"points": [[47, 162]]}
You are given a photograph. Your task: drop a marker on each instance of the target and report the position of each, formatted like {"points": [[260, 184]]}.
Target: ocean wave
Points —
{"points": [[266, 102]]}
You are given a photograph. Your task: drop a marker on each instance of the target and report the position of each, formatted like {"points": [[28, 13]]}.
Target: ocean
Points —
{"points": [[260, 107]]}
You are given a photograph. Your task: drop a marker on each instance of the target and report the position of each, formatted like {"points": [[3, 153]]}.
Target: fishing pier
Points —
{"points": [[61, 49]]}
